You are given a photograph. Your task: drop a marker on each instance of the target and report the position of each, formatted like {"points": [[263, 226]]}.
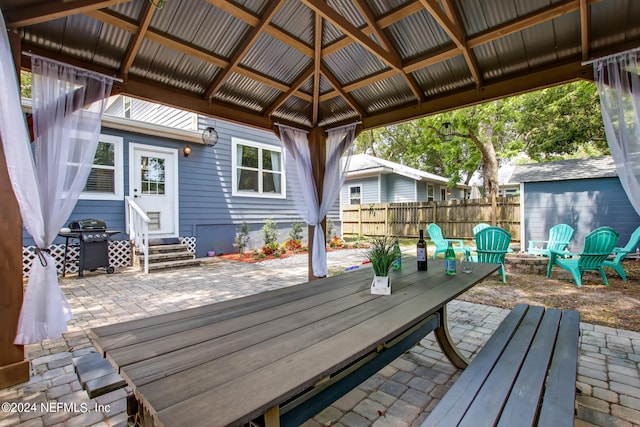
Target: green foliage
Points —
{"points": [[331, 230], [380, 253], [242, 238], [562, 120], [296, 231], [270, 232], [556, 122]]}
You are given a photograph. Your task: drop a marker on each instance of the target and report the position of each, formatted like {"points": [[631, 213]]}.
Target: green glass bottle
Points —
{"points": [[450, 260], [397, 255]]}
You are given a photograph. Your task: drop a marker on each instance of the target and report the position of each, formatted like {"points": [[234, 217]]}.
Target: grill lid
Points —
{"points": [[88, 224]]}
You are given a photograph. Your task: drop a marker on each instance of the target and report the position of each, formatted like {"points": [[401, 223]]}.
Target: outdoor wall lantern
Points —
{"points": [[186, 150], [446, 131], [210, 137]]}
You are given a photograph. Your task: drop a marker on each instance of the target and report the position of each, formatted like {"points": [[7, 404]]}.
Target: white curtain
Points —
{"points": [[296, 143], [618, 82], [67, 109]]}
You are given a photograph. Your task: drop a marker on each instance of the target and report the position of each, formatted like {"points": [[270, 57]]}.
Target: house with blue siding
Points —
{"points": [[373, 180], [201, 198], [584, 193]]}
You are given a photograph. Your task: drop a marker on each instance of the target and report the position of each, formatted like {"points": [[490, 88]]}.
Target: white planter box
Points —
{"points": [[381, 285]]}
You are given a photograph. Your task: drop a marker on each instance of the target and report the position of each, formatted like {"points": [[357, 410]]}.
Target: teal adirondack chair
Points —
{"points": [[492, 245], [620, 253], [479, 227], [435, 234], [559, 239], [597, 247]]}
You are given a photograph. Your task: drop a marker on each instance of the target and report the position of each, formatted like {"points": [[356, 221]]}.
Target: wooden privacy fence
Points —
{"points": [[456, 217]]}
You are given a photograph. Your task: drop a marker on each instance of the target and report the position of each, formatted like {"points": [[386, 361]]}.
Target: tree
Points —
{"points": [[558, 121], [562, 120]]}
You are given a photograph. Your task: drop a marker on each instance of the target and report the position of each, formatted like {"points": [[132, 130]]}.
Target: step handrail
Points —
{"points": [[138, 229]]}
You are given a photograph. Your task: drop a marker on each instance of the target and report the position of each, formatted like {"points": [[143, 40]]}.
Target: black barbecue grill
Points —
{"points": [[93, 245]]}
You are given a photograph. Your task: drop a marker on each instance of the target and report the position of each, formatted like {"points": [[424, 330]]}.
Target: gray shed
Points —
{"points": [[584, 193]]}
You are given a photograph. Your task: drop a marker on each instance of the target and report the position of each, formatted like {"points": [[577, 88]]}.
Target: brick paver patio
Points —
{"points": [[401, 394]]}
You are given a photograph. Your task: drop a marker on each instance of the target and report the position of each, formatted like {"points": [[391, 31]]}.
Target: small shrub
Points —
{"points": [[293, 245], [270, 231], [331, 230], [242, 238], [296, 231]]}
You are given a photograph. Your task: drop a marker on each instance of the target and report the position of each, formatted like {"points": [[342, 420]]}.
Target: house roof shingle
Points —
{"points": [[593, 167], [364, 162]]}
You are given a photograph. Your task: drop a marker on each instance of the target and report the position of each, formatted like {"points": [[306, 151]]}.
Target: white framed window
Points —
{"points": [[258, 169], [430, 194], [355, 195], [105, 181]]}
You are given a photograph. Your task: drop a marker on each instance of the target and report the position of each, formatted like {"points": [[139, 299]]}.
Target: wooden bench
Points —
{"points": [[525, 375]]}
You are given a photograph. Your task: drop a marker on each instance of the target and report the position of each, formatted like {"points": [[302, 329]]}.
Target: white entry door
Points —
{"points": [[153, 182]]}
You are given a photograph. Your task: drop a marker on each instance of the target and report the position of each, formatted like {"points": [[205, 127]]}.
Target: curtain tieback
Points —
{"points": [[41, 257]]}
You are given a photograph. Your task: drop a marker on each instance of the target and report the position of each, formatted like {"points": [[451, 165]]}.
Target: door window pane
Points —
{"points": [[152, 175]]}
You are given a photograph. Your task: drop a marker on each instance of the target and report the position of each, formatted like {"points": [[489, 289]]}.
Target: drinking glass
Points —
{"points": [[466, 265]]}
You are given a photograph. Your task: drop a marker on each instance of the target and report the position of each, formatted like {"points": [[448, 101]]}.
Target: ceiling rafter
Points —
{"points": [[353, 32], [317, 60], [368, 16], [469, 56], [243, 48], [584, 28], [292, 91], [37, 14], [134, 45], [341, 92], [117, 21]]}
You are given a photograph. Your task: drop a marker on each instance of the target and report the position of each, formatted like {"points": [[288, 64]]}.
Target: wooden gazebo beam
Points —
{"points": [[14, 368]]}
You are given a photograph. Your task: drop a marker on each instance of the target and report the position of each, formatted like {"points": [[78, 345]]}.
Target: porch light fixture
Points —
{"points": [[186, 150], [446, 131], [210, 137]]}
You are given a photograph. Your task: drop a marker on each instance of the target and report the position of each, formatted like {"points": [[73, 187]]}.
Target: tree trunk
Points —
{"points": [[484, 143]]}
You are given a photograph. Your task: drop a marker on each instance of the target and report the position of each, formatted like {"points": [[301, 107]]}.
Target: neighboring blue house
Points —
{"points": [[373, 180], [584, 193], [201, 198]]}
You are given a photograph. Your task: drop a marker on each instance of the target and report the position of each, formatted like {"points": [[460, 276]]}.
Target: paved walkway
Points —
{"points": [[399, 395]]}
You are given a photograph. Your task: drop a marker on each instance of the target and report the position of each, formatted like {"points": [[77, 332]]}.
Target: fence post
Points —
{"points": [[494, 210], [359, 220], [386, 219]]}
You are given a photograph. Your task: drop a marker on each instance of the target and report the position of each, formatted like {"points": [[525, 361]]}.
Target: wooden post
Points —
{"points": [[14, 368], [494, 210], [317, 148]]}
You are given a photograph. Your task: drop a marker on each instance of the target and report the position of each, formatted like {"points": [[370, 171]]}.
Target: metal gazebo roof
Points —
{"points": [[315, 63]]}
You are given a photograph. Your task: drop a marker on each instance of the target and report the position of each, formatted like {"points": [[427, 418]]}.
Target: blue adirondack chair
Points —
{"points": [[492, 245], [597, 247], [435, 234], [620, 253], [559, 239]]}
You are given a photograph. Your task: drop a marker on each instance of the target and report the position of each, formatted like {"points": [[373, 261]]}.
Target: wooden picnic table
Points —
{"points": [[283, 355]]}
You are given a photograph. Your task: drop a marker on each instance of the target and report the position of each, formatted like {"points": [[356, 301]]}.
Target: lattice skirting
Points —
{"points": [[119, 255]]}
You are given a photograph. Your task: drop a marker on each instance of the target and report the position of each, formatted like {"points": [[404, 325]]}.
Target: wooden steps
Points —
{"points": [[96, 374], [167, 255]]}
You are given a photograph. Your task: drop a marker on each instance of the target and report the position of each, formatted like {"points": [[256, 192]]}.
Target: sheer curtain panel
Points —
{"points": [[298, 164], [67, 110], [618, 82]]}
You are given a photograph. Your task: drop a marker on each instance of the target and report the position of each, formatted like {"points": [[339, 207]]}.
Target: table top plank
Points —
{"points": [[111, 336], [255, 368], [226, 364], [152, 343], [274, 336], [274, 383]]}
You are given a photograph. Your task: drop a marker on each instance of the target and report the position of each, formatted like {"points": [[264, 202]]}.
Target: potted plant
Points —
{"points": [[380, 253]]}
